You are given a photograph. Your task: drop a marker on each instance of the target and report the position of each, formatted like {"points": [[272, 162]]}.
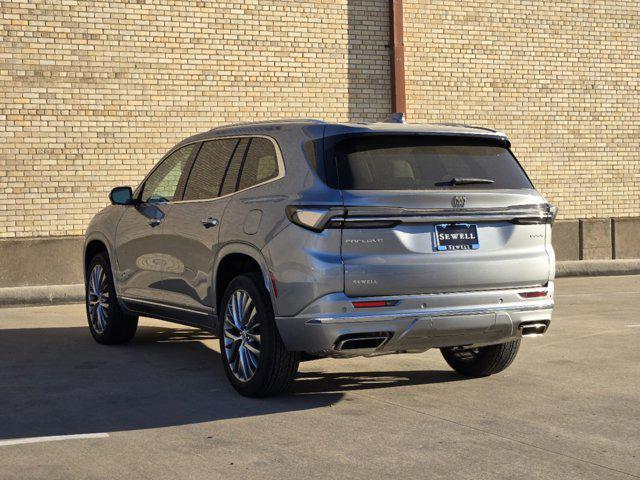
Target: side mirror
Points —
{"points": [[121, 196]]}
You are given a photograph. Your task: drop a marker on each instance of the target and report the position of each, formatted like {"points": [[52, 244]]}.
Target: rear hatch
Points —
{"points": [[437, 214]]}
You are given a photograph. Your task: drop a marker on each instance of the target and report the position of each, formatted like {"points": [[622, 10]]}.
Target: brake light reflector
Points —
{"points": [[537, 294], [374, 303], [273, 283]]}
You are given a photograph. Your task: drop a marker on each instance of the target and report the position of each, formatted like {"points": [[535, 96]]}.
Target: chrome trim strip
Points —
{"points": [[525, 209], [355, 215], [163, 305], [446, 215], [279, 159], [436, 312], [436, 219], [465, 293]]}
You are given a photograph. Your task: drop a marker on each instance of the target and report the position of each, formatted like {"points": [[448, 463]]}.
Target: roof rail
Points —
{"points": [[275, 120]]}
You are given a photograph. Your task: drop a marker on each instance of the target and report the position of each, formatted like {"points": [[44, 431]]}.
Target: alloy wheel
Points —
{"points": [[242, 335], [98, 299]]}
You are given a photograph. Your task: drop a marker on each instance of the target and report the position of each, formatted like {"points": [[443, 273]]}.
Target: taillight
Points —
{"points": [[315, 218], [548, 214]]}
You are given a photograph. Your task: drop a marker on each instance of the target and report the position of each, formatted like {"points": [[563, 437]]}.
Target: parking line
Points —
{"points": [[53, 438]]}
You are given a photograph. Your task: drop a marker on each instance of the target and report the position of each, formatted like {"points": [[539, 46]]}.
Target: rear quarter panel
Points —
{"points": [[305, 264]]}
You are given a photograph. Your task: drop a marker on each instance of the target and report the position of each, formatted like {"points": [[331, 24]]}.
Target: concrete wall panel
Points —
{"points": [[565, 237], [627, 237], [55, 261], [595, 239]]}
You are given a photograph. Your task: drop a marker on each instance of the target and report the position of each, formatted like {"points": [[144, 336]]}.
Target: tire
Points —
{"points": [[272, 370], [483, 361], [108, 323]]}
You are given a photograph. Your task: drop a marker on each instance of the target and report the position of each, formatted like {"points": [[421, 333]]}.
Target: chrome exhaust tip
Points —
{"points": [[362, 341], [531, 329]]}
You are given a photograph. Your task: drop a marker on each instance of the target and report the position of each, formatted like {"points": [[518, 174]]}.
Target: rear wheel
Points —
{"points": [[253, 355], [108, 323], [482, 361]]}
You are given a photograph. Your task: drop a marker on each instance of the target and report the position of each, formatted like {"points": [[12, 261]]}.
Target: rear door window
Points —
{"points": [[396, 162], [207, 173], [260, 163]]}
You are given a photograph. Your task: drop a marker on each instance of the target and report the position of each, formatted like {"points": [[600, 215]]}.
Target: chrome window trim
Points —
{"points": [[279, 160]]}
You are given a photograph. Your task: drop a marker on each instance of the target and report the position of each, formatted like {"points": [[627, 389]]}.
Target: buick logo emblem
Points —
{"points": [[458, 201]]}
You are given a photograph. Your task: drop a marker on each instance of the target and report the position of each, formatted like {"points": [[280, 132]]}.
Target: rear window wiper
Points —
{"points": [[469, 181]]}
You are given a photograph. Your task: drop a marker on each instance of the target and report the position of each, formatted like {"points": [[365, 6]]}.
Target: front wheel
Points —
{"points": [[108, 323], [482, 361], [253, 354]]}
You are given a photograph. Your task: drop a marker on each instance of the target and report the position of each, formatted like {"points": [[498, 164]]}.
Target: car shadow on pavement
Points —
{"points": [[58, 381], [316, 382]]}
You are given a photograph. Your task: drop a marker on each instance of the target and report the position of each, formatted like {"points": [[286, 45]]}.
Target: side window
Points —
{"points": [[162, 185], [231, 176], [260, 163], [208, 169]]}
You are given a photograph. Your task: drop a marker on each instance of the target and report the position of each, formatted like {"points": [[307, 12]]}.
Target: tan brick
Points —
{"points": [[93, 93]]}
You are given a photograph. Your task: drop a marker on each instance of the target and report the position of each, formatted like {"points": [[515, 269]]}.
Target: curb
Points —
{"points": [[57, 294], [591, 268], [41, 295]]}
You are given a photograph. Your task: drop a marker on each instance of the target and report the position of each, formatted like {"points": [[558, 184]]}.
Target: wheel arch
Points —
{"points": [[92, 246], [233, 260]]}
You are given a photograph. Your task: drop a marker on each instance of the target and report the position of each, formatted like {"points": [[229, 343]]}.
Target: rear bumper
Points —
{"points": [[416, 323]]}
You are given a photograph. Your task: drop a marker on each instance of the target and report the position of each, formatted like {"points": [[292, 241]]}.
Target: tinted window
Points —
{"points": [[409, 163], [260, 163], [163, 184], [231, 177], [208, 169]]}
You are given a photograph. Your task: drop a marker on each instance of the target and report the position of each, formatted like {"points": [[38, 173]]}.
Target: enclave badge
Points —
{"points": [[458, 201]]}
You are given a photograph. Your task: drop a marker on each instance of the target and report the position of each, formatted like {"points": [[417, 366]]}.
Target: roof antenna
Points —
{"points": [[397, 117]]}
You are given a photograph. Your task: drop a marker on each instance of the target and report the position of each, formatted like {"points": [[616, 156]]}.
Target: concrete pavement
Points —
{"points": [[160, 407]]}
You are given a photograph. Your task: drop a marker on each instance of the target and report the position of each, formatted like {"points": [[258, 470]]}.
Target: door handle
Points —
{"points": [[154, 222], [210, 222]]}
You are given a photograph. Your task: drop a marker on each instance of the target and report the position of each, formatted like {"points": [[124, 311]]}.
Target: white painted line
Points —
{"points": [[54, 438]]}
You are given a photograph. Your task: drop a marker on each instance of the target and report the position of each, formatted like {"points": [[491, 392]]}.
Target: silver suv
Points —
{"points": [[293, 240]]}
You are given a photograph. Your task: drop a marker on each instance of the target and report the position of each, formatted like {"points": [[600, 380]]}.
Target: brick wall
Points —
{"points": [[561, 78], [93, 93]]}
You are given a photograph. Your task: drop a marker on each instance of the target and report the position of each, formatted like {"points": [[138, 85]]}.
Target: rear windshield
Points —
{"points": [[410, 163]]}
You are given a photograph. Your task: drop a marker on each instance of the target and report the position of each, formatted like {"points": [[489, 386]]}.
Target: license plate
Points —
{"points": [[456, 236]]}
